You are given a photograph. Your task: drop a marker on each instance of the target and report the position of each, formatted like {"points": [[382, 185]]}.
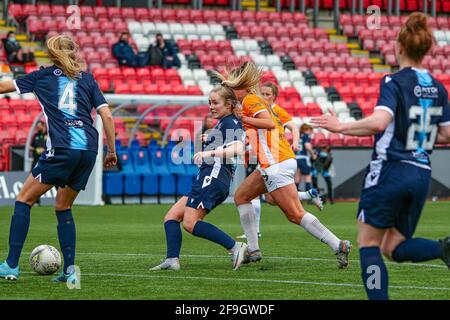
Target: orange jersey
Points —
{"points": [[282, 114], [271, 145]]}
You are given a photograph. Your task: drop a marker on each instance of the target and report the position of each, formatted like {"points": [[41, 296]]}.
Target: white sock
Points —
{"points": [[248, 222], [318, 230], [303, 195], [256, 203]]}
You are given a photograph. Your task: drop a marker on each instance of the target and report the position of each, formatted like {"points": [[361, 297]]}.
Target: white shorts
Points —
{"points": [[279, 175]]}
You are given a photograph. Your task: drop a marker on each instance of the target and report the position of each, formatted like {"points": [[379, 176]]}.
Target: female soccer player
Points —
{"points": [[412, 113], [211, 188], [67, 96], [304, 156], [269, 91], [277, 166]]}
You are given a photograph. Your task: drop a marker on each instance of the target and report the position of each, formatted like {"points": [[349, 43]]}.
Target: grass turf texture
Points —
{"points": [[117, 245]]}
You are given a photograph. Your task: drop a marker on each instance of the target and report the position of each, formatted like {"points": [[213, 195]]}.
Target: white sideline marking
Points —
{"points": [[332, 284], [265, 257]]}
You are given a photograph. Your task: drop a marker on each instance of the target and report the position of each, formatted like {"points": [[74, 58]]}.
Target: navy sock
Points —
{"points": [[374, 273], [20, 223], [308, 186], [212, 233], [173, 238], [67, 237], [417, 250]]}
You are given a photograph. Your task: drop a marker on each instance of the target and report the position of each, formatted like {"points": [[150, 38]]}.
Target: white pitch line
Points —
{"points": [[265, 257], [314, 283]]}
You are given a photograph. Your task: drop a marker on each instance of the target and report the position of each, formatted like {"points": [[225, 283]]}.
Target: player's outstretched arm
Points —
{"points": [[232, 150], [108, 125], [7, 86], [377, 122]]}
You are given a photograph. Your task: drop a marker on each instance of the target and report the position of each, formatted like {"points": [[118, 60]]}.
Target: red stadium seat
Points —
{"points": [[336, 140]]}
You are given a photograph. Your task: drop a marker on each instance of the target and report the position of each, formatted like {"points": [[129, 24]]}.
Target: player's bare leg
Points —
{"points": [[251, 187], [287, 199]]}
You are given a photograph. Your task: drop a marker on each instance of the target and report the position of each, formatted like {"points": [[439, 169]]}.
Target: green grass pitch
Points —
{"points": [[117, 245]]}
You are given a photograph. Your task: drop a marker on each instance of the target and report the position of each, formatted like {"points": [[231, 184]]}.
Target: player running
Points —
{"points": [[211, 188], [67, 96], [412, 113], [276, 170], [269, 91]]}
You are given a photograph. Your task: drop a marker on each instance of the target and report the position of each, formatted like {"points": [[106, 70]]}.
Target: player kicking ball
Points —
{"points": [[211, 188], [411, 115], [67, 96]]}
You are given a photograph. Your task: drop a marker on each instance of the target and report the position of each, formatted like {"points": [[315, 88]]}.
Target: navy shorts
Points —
{"points": [[393, 195], [304, 165], [207, 193], [65, 167]]}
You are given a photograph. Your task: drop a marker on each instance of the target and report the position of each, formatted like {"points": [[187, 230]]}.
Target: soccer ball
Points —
{"points": [[45, 259]]}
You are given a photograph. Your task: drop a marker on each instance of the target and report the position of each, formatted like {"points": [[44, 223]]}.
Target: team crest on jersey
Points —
{"points": [[57, 72], [207, 181]]}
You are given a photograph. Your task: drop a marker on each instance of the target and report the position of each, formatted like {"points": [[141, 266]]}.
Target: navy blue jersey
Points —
{"points": [[228, 130], [67, 105], [302, 153], [418, 104]]}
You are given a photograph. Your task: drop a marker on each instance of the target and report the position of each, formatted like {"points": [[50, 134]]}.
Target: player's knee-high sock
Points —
{"points": [[248, 222], [20, 223], [417, 250], [67, 237], [256, 203], [210, 232], [318, 230], [374, 273], [173, 238], [308, 185]]}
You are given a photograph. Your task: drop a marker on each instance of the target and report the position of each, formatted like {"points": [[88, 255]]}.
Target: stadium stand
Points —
{"points": [[316, 70]]}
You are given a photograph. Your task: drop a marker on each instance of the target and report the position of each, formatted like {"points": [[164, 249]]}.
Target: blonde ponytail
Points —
{"points": [[245, 77], [63, 52]]}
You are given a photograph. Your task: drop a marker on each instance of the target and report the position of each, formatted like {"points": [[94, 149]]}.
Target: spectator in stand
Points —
{"points": [[14, 52], [162, 53], [38, 143], [125, 55], [322, 166]]}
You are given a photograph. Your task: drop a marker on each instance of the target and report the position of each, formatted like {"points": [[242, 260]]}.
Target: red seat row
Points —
{"points": [[338, 140], [266, 32]]}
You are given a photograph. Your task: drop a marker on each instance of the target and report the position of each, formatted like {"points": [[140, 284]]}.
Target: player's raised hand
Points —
{"points": [[329, 122], [110, 160]]}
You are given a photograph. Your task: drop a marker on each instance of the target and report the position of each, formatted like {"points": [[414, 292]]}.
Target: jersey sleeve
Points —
{"points": [[445, 119], [388, 96], [284, 116], [26, 83], [233, 132], [253, 105], [98, 100]]}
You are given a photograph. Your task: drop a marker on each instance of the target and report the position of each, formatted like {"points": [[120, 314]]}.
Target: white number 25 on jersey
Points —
{"points": [[424, 126], [67, 101]]}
